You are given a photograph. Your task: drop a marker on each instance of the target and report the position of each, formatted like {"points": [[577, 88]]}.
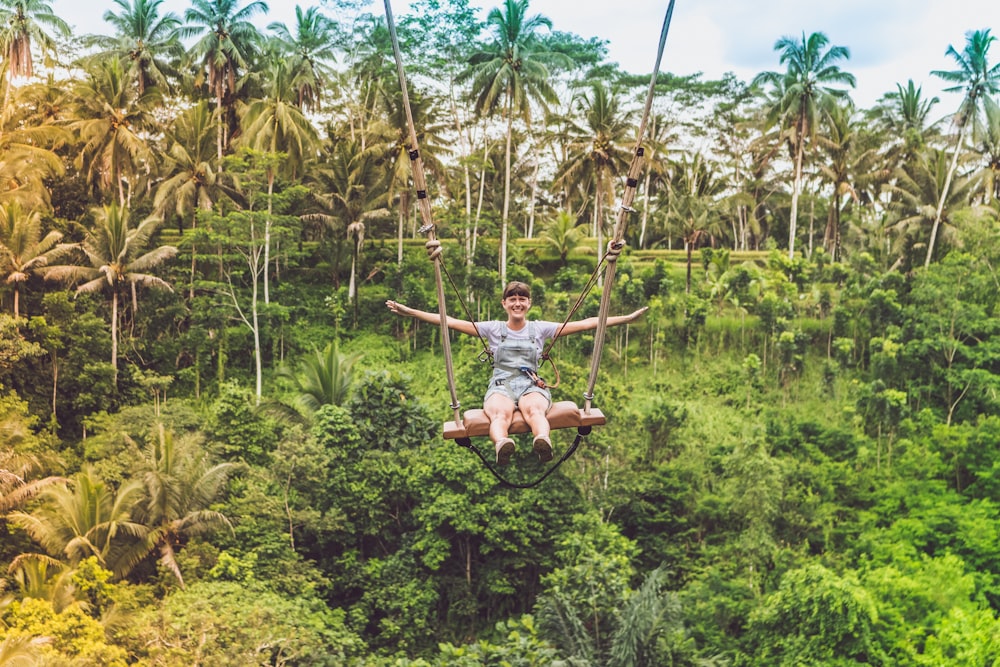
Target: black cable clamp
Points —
{"points": [[421, 194], [414, 154], [631, 182]]}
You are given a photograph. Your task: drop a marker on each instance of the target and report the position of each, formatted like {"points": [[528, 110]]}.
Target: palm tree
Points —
{"points": [[989, 144], [45, 578], [311, 47], [354, 190], [111, 123], [508, 76], [322, 378], [181, 484], [17, 468], [694, 188], [919, 184], [116, 256], [28, 144], [196, 182], [23, 249], [372, 74], [657, 135], [976, 80], [564, 235], [21, 23], [21, 651], [839, 143], [275, 124], [597, 149], [146, 40], [905, 116], [801, 93], [227, 46], [84, 518], [395, 141]]}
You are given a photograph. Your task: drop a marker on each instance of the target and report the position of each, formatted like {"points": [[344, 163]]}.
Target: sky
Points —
{"points": [[890, 41]]}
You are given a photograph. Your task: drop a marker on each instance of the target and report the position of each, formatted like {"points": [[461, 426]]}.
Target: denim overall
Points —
{"points": [[511, 355]]}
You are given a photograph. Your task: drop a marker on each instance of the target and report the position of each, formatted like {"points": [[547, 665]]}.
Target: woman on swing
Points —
{"points": [[517, 346]]}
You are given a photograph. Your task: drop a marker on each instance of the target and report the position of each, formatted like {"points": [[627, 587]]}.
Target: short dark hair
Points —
{"points": [[517, 288]]}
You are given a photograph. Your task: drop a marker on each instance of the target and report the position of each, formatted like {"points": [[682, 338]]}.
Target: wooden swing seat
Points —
{"points": [[562, 414]]}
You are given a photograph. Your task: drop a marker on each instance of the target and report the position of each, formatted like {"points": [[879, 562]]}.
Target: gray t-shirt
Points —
{"points": [[493, 330]]}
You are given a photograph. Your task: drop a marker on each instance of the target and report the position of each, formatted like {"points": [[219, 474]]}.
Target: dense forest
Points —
{"points": [[218, 447]]}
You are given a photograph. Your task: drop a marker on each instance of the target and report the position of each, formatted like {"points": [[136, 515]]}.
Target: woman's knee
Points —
{"points": [[533, 404], [498, 406]]}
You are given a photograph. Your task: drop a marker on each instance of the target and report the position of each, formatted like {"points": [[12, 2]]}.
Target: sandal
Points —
{"points": [[504, 447]]}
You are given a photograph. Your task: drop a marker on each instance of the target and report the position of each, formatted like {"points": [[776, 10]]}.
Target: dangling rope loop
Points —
{"points": [[467, 443]]}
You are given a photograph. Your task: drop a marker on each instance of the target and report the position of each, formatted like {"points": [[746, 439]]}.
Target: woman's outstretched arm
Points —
{"points": [[462, 326], [591, 322]]}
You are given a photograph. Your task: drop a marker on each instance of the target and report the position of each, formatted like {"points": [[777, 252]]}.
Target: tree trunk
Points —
{"points": [[645, 209], [479, 203], [944, 195], [258, 365], [506, 192], [267, 234], [114, 334], [796, 188], [531, 203]]}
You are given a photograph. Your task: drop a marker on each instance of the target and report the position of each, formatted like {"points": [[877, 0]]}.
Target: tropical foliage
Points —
{"points": [[799, 461]]}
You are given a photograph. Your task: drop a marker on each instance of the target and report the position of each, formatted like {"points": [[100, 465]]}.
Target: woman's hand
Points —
{"points": [[637, 314], [395, 307]]}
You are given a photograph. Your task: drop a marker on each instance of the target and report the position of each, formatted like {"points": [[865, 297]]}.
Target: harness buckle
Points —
{"points": [[534, 377]]}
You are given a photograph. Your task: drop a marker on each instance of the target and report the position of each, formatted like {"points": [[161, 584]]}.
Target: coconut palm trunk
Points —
{"points": [[796, 189], [506, 189], [944, 195]]}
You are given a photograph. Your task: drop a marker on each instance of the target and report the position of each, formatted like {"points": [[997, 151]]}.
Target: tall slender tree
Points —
{"points": [[146, 40], [916, 186], [989, 146], [311, 45], [975, 79], [116, 255], [228, 40], [597, 150], [111, 119], [802, 92], [23, 249], [694, 186], [354, 191], [21, 23], [194, 178], [507, 76], [275, 124]]}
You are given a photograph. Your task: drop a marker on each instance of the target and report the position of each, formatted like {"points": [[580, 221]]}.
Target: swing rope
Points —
{"points": [[617, 243], [609, 259], [423, 203]]}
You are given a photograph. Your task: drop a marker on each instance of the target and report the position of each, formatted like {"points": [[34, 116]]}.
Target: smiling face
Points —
{"points": [[516, 303], [517, 307]]}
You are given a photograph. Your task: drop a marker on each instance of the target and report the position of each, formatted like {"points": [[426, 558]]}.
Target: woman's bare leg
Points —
{"points": [[500, 410], [533, 407]]}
